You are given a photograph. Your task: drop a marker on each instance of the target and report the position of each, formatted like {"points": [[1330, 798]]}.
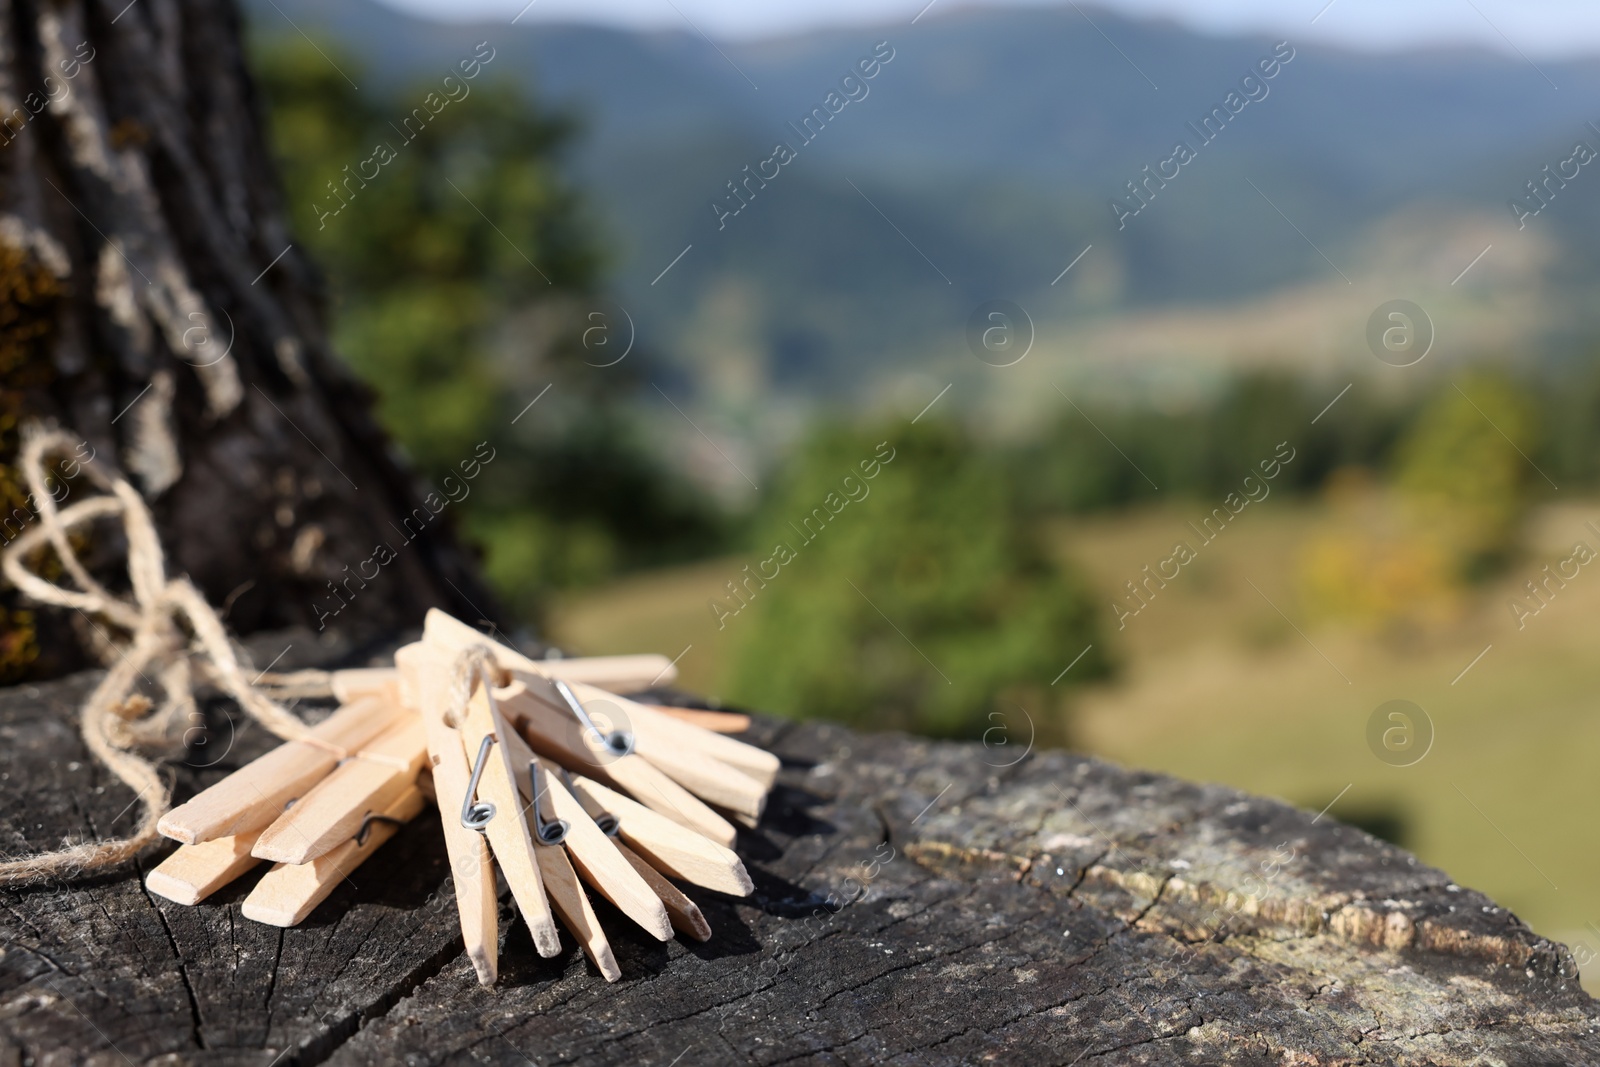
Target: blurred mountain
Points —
{"points": [[981, 162]]}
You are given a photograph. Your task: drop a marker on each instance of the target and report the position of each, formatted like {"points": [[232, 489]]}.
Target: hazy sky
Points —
{"points": [[1535, 27]]}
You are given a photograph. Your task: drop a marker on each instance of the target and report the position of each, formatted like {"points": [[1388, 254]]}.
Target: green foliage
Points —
{"points": [[461, 268], [924, 605], [459, 230], [1202, 450], [1568, 402]]}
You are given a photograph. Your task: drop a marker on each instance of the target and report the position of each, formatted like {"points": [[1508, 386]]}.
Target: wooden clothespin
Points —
{"points": [[338, 801], [690, 756], [497, 804], [668, 732], [577, 914], [353, 683], [548, 723], [555, 867], [194, 872], [257, 793], [425, 685], [693, 758], [717, 783], [685, 914], [652, 803], [645, 722], [290, 891], [623, 673], [591, 852], [330, 812], [718, 722], [666, 845]]}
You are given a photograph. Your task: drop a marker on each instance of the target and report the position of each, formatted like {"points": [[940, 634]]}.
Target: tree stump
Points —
{"points": [[915, 903]]}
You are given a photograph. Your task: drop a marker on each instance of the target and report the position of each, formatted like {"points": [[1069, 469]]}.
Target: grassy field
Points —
{"points": [[1225, 678]]}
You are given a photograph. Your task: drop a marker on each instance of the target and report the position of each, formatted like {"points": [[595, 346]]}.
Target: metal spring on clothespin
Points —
{"points": [[609, 824], [366, 825], [548, 833], [475, 814], [617, 742]]}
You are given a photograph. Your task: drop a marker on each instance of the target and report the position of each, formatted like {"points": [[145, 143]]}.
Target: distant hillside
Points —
{"points": [[993, 141]]}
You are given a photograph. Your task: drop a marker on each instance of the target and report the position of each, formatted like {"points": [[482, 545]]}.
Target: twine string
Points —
{"points": [[166, 629]]}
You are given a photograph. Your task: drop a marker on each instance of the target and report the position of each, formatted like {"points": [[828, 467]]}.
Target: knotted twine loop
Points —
{"points": [[471, 663], [145, 634]]}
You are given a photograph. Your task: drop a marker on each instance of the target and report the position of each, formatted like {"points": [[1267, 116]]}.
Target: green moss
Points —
{"points": [[30, 295]]}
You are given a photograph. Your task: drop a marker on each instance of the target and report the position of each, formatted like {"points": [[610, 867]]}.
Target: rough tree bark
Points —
{"points": [[153, 301], [914, 904]]}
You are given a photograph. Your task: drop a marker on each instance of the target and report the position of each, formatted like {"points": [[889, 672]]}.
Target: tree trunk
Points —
{"points": [[153, 302]]}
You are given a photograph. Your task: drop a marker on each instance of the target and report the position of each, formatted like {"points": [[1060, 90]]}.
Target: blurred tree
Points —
{"points": [[469, 221], [1255, 414], [1568, 397], [465, 277], [1464, 470], [925, 604], [1397, 558], [1370, 564], [1203, 449]]}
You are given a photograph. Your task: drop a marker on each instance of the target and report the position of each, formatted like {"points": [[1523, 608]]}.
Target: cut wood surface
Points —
{"points": [[913, 905]]}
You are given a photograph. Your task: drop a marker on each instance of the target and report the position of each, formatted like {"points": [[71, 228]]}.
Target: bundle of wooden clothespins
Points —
{"points": [[537, 768]]}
